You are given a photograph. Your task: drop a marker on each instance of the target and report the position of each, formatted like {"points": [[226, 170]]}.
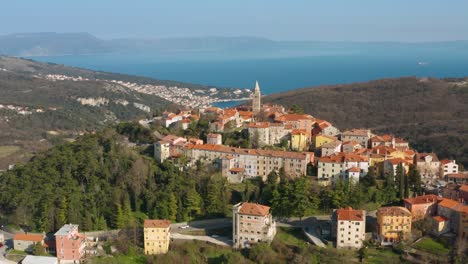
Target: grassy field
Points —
{"points": [[291, 236], [384, 256], [430, 245], [8, 150]]}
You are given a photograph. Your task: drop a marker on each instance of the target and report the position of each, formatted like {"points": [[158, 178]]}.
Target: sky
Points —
{"points": [[325, 20]]}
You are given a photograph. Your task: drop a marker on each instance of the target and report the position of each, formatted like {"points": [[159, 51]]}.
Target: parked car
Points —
{"points": [[184, 227]]}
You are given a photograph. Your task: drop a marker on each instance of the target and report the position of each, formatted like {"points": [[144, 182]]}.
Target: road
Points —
{"points": [[222, 241]]}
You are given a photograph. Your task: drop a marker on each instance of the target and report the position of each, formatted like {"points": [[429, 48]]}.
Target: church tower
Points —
{"points": [[256, 104]]}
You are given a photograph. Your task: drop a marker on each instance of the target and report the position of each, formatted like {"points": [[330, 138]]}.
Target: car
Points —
{"points": [[184, 227], [215, 236]]}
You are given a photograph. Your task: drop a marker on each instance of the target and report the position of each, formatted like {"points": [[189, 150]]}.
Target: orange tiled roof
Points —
{"points": [[400, 141], [440, 219], [354, 169], [454, 205], [464, 188], [352, 142], [383, 138], [348, 214], [424, 199], [237, 170], [420, 156], [29, 237], [298, 132], [342, 157], [254, 209], [397, 161], [393, 211], [259, 125], [157, 223], [295, 117]]}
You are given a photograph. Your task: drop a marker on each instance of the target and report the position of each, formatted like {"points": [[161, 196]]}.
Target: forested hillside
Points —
{"points": [[431, 113]]}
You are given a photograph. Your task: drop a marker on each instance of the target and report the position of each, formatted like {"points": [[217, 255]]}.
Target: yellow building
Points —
{"points": [[393, 224], [156, 236], [319, 140], [298, 140]]}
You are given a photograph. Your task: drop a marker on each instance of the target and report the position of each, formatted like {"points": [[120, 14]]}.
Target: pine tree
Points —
{"points": [[62, 212], [193, 202], [172, 207], [406, 187]]}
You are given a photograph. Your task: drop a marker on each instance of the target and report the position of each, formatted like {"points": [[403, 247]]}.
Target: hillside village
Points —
{"points": [[291, 143]]}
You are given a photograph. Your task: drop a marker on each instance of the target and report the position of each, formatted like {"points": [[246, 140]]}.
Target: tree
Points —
{"points": [[400, 174], [193, 202], [38, 249], [362, 253], [62, 212], [414, 180], [296, 109]]}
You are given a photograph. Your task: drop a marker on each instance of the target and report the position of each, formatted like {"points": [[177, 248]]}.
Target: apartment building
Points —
{"points": [[252, 223], [448, 167], [254, 162], [393, 224], [361, 136], [428, 166], [70, 244], [348, 227], [345, 166], [156, 235], [422, 206]]}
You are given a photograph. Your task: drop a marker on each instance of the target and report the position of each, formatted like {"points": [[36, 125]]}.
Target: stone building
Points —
{"points": [[26, 242], [252, 224], [256, 99], [214, 139]]}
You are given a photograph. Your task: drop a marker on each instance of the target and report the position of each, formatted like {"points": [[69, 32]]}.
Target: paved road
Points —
{"points": [[222, 241], [202, 225]]}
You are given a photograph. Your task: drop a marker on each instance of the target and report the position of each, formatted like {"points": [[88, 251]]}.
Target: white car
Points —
{"points": [[184, 227]]}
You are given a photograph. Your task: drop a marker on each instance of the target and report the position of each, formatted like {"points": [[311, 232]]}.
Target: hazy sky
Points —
{"points": [[361, 20]]}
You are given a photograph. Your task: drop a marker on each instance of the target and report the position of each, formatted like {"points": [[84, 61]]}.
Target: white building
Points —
{"points": [[341, 166], [447, 167], [214, 139], [330, 148], [349, 227], [428, 166], [251, 224]]}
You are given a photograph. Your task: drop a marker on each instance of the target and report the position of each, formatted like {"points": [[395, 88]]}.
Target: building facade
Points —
{"points": [[26, 242], [214, 139], [361, 136], [393, 224], [252, 224], [156, 235], [422, 206], [428, 166], [335, 167], [70, 244], [348, 227]]}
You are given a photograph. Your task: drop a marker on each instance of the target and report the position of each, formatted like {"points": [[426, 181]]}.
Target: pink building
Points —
{"points": [[422, 206], [70, 244]]}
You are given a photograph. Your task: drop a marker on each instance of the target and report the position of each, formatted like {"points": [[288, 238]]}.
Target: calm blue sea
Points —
{"points": [[277, 74]]}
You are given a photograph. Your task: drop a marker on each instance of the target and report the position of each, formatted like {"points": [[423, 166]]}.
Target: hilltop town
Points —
{"points": [[419, 202]]}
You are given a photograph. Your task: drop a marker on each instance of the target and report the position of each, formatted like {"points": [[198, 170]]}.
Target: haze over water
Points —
{"points": [[277, 74]]}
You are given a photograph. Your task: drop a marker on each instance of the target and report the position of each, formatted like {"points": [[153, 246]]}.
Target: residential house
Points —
{"points": [[391, 166], [70, 244], [156, 235], [299, 140], [264, 133], [457, 213], [251, 224], [384, 140], [447, 167], [393, 224], [214, 139], [422, 206], [440, 225], [255, 162], [319, 140], [348, 227], [298, 121], [26, 242], [341, 166], [361, 136], [452, 191], [351, 146], [459, 178], [428, 166], [330, 148], [325, 128]]}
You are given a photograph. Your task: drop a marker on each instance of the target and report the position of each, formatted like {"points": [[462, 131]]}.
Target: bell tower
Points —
{"points": [[256, 103]]}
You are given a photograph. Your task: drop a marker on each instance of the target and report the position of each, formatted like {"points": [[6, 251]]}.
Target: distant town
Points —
{"points": [[292, 144]]}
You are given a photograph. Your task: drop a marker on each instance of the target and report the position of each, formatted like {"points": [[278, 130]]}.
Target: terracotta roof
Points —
{"points": [[446, 161], [294, 117], [440, 219], [256, 152], [458, 175], [237, 170], [352, 142], [254, 209], [454, 205], [186, 121], [464, 188], [383, 138], [332, 144], [326, 136], [400, 141], [354, 169], [259, 125], [397, 161], [348, 214], [356, 132], [213, 135], [424, 199], [421, 156], [298, 132], [393, 211], [157, 223], [29, 237]]}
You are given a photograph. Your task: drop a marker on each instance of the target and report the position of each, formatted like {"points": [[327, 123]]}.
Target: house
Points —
{"points": [[299, 140], [156, 235], [460, 178], [457, 213], [335, 167], [393, 224], [447, 167], [351, 146], [391, 166], [428, 165], [400, 144], [214, 139], [422, 206], [70, 244], [26, 242], [348, 227], [440, 225], [452, 191], [330, 148], [251, 224], [297, 121], [30, 259], [361, 136], [384, 140], [265, 133], [319, 140], [325, 128]]}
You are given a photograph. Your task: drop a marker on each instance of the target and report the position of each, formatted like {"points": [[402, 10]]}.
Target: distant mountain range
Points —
{"points": [[56, 44]]}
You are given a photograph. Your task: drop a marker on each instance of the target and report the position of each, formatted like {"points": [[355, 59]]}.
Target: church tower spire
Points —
{"points": [[256, 99]]}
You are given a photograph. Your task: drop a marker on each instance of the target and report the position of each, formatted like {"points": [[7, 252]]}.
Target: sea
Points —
{"points": [[276, 74]]}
